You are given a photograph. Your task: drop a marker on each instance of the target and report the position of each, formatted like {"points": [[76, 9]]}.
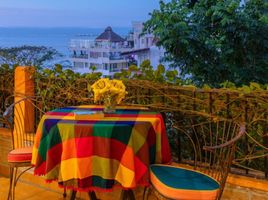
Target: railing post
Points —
{"points": [[24, 87], [246, 138], [2, 95], [177, 119], [210, 103], [228, 114], [265, 143]]}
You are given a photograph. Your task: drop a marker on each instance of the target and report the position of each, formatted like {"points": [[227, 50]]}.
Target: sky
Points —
{"points": [[74, 13]]}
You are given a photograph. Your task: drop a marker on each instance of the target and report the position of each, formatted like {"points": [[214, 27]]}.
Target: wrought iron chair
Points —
{"points": [[20, 117], [214, 144]]}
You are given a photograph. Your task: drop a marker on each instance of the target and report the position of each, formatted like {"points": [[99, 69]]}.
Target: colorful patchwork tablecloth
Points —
{"points": [[100, 151]]}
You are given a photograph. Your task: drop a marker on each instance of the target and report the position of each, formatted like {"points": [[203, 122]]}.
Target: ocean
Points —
{"points": [[58, 38]]}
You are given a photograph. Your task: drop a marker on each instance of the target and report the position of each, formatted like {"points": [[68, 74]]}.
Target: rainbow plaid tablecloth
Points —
{"points": [[99, 153]]}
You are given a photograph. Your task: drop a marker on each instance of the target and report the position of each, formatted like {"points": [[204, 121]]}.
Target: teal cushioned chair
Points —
{"points": [[214, 145]]}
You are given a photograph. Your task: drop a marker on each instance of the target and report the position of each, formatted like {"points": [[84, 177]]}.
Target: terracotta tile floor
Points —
{"points": [[30, 191]]}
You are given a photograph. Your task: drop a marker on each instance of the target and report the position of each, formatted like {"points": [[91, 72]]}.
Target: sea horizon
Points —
{"points": [[56, 37], [60, 27]]}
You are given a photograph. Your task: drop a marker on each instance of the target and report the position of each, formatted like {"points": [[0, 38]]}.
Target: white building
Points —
{"points": [[144, 48], [110, 53], [104, 53]]}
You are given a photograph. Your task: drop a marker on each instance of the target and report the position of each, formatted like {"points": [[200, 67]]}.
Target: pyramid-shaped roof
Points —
{"points": [[110, 36]]}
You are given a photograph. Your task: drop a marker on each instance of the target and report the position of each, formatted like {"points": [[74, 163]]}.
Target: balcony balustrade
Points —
{"points": [[80, 56], [91, 44]]}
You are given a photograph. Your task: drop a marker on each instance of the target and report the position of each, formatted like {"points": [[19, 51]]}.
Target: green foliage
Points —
{"points": [[93, 68], [6, 84], [162, 91], [5, 68], [214, 40], [58, 87], [27, 55], [146, 72]]}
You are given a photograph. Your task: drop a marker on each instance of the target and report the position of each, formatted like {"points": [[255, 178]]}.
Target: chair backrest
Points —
{"points": [[21, 117], [3, 123], [214, 143]]}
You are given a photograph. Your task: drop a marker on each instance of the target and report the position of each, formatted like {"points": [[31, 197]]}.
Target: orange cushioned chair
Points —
{"points": [[214, 146], [20, 117]]}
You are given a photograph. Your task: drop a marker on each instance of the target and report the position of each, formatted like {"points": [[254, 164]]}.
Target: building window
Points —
{"points": [[106, 66], [95, 54], [78, 65], [105, 54]]}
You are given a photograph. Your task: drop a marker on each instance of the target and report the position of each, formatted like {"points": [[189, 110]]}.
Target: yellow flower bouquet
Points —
{"points": [[110, 92]]}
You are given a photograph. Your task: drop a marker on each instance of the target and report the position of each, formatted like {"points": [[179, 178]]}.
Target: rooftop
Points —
{"points": [[109, 35]]}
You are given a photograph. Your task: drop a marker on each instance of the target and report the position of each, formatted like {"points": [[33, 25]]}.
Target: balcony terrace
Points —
{"points": [[249, 178], [87, 44]]}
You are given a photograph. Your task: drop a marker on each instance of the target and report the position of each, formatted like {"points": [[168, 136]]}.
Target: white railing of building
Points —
{"points": [[91, 44]]}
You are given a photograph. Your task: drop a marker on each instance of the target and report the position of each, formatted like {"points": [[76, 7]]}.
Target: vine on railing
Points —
{"points": [[6, 85], [162, 91]]}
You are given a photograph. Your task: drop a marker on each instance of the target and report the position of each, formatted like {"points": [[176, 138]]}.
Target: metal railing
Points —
{"points": [[92, 44], [180, 103]]}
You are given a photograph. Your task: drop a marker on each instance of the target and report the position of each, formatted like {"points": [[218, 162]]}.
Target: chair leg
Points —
{"points": [[123, 195], [14, 177], [127, 195], [145, 193], [131, 194], [73, 194], [15, 180], [64, 192], [92, 195], [11, 177]]}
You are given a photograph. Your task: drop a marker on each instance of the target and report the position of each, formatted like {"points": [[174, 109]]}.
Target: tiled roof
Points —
{"points": [[109, 35]]}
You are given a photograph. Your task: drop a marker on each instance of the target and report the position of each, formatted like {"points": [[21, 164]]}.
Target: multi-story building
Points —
{"points": [[110, 53], [103, 53], [144, 47]]}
